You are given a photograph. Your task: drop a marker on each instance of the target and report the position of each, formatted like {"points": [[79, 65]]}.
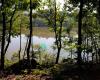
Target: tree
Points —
{"points": [[58, 34], [29, 44], [10, 29], [3, 34], [7, 11], [80, 33], [33, 5], [55, 19]]}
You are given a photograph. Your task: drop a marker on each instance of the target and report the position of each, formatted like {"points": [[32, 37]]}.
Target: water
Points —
{"points": [[45, 43]]}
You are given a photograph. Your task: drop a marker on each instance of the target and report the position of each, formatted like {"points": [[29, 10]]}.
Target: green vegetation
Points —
{"points": [[40, 31], [75, 26]]}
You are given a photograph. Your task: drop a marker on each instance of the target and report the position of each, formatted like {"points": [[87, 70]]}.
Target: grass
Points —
{"points": [[40, 31], [45, 32]]}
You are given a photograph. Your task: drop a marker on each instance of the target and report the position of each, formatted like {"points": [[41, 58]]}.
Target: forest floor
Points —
{"points": [[26, 77], [70, 73], [92, 76]]}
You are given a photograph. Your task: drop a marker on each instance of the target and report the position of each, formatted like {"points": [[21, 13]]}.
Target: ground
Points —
{"points": [[60, 72]]}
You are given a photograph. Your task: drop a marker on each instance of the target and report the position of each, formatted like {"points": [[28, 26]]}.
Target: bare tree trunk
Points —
{"points": [[71, 53], [20, 48], [29, 44], [59, 43], [79, 33], [25, 48], [3, 36], [87, 48], [58, 54], [20, 42]]}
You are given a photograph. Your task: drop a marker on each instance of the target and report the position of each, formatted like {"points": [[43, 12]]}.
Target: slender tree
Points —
{"points": [[54, 15], [9, 32], [20, 40], [80, 33], [30, 35], [59, 35], [3, 35]]}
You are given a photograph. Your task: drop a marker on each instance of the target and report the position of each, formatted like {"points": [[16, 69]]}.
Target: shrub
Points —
{"points": [[39, 72]]}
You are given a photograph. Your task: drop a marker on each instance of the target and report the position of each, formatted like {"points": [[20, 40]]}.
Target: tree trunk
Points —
{"points": [[55, 26], [79, 33], [20, 41], [71, 51], [58, 54], [59, 46], [3, 37], [98, 9], [29, 44], [55, 30], [11, 23], [25, 48]]}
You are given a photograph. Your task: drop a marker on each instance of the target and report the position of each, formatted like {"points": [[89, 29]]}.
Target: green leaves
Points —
{"points": [[35, 3], [25, 4]]}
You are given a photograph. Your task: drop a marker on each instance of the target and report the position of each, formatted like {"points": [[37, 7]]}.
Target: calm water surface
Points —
{"points": [[48, 42]]}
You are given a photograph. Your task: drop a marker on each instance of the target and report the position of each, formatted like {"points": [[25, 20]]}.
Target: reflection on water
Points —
{"points": [[45, 43]]}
